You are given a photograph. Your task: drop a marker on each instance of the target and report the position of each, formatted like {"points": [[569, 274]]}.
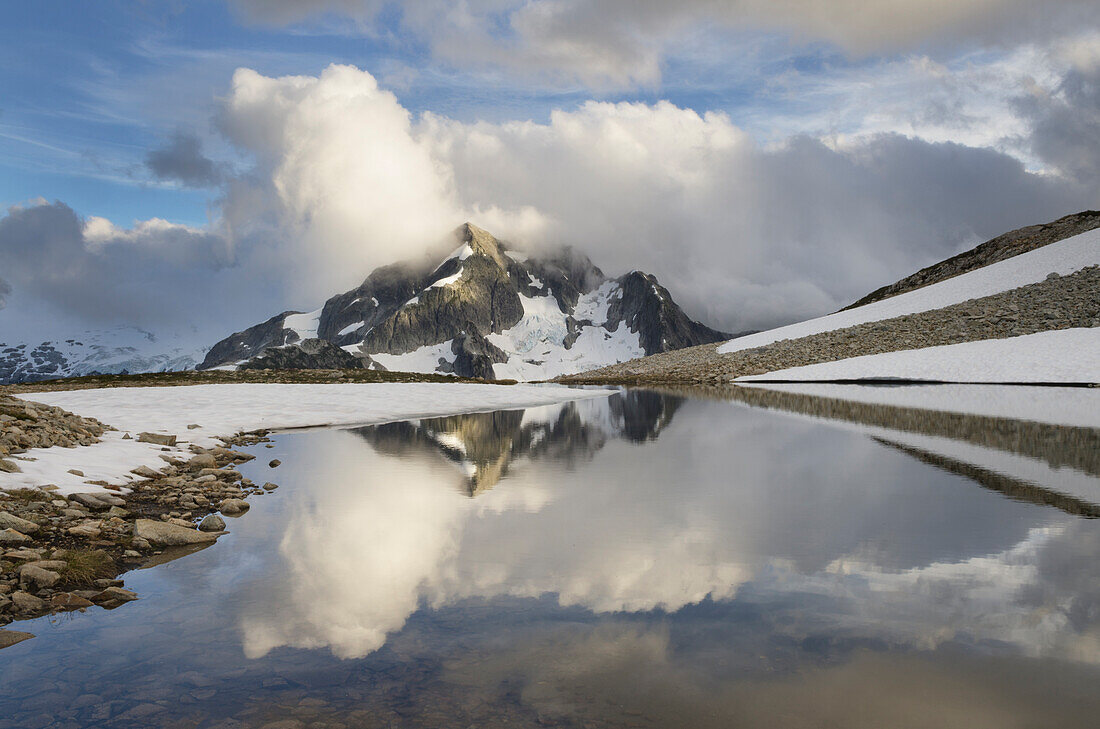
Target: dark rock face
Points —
{"points": [[647, 307], [251, 342], [475, 356], [477, 291], [309, 354], [1000, 248]]}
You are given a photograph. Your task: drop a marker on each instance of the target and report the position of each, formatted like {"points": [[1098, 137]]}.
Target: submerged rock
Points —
{"points": [[212, 523], [9, 638], [233, 507]]}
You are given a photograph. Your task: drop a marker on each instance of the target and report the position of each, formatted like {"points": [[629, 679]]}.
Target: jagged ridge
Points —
{"points": [[485, 311]]}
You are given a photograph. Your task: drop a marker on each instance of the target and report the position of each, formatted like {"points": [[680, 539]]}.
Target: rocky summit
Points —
{"points": [[483, 310]]}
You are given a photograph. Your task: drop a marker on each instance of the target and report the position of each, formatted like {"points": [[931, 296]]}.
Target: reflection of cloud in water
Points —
{"points": [[619, 672], [724, 497]]}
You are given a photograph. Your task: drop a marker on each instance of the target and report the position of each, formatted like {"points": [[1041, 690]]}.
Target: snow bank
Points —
{"points": [[1073, 406], [223, 410], [1063, 355], [1063, 258]]}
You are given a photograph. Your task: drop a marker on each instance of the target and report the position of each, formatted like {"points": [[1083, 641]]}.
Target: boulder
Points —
{"points": [[69, 601], [203, 460], [112, 597], [27, 603], [233, 507], [89, 529], [10, 536], [157, 439], [11, 521], [212, 523], [37, 576], [168, 535], [97, 501], [145, 472]]}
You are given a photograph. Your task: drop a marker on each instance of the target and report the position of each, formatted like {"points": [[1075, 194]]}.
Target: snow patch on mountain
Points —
{"points": [[107, 351]]}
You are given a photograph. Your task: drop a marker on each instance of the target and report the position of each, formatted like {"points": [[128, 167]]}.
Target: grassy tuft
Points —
{"points": [[87, 565], [27, 495]]}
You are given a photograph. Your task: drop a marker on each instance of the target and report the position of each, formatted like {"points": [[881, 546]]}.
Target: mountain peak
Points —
{"points": [[481, 241]]}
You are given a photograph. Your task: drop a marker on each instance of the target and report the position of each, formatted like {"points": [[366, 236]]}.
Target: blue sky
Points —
{"points": [[710, 122]]}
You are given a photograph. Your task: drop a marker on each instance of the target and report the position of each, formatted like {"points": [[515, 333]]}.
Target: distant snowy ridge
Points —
{"points": [[105, 351]]}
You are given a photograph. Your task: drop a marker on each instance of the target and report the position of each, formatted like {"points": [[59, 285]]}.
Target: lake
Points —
{"points": [[644, 560]]}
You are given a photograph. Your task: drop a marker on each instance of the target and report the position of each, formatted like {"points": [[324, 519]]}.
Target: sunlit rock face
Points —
{"points": [[478, 308], [641, 505]]}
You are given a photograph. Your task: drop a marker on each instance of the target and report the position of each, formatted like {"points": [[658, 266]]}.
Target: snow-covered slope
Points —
{"points": [[1061, 355], [106, 351], [1062, 258], [485, 310]]}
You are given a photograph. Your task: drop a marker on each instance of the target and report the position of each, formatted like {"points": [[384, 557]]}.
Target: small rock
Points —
{"points": [[131, 554], [275, 462], [233, 507], [192, 426], [157, 439], [76, 472], [127, 437], [270, 486], [206, 479], [165, 534], [118, 511], [212, 523]]}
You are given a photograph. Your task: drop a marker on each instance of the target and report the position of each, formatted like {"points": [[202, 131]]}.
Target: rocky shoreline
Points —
{"points": [[1059, 302], [62, 553]]}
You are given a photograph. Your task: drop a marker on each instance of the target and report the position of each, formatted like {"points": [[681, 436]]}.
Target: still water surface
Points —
{"points": [[640, 561]]}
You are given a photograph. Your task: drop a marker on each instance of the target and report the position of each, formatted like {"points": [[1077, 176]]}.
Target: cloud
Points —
{"points": [[1066, 124], [342, 181], [344, 178], [746, 236], [625, 43], [182, 160], [61, 267]]}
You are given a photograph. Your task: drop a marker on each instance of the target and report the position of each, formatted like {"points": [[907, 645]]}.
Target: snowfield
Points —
{"points": [[1063, 258], [1062, 355], [536, 344], [224, 410]]}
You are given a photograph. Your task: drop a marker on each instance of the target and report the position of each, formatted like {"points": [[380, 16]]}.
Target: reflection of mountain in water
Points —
{"points": [[484, 445]]}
